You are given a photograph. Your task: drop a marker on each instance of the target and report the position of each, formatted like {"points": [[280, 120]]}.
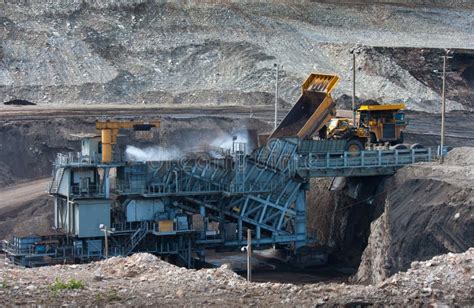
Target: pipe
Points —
{"points": [[176, 179], [249, 255], [443, 110], [276, 98], [353, 88]]}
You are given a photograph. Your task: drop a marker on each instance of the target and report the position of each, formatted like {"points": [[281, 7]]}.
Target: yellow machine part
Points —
{"points": [[323, 114], [320, 83], [165, 226], [312, 111], [381, 107], [338, 126], [106, 139], [109, 130], [362, 133]]}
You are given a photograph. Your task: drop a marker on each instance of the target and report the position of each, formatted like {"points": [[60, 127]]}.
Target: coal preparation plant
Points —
{"points": [[107, 205]]}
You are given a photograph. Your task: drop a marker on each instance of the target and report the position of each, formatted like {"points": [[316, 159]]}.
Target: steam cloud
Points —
{"points": [[155, 153], [226, 141], [158, 153]]}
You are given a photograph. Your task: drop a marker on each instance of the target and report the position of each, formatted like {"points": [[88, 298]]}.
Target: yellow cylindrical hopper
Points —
{"points": [[106, 138]]}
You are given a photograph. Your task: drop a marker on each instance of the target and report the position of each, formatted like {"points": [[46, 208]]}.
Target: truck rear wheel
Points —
{"points": [[416, 146], [399, 147], [354, 145]]}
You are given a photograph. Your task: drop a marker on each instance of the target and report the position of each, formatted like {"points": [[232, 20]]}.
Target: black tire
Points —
{"points": [[354, 145], [399, 147], [348, 134], [416, 146]]}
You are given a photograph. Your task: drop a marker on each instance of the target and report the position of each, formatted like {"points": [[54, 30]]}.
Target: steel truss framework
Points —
{"points": [[264, 191]]}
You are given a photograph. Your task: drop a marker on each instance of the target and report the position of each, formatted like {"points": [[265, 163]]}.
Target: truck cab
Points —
{"points": [[383, 123]]}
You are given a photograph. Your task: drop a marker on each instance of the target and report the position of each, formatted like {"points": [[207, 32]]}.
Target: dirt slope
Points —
{"points": [[25, 209], [428, 211], [23, 192], [201, 52]]}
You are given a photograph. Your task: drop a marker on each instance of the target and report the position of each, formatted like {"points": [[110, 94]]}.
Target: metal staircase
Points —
{"points": [[136, 238], [58, 175]]}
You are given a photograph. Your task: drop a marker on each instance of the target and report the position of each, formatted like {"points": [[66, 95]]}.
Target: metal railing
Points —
{"points": [[201, 188], [364, 159], [132, 226], [32, 249], [96, 190], [77, 158]]}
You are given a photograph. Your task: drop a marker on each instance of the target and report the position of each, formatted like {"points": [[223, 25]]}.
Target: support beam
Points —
{"points": [[300, 219], [106, 183]]}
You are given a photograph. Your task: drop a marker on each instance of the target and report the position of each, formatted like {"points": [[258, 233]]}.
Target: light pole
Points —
{"points": [[353, 88], [354, 51], [276, 96], [443, 107], [248, 248], [249, 255], [106, 231]]}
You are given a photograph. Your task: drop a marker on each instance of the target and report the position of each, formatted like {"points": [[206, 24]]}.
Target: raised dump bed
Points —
{"points": [[313, 109]]}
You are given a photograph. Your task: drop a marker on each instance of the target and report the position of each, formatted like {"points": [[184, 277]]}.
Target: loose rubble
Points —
{"points": [[461, 156], [143, 279]]}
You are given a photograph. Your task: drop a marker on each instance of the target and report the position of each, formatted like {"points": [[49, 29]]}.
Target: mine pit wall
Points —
{"points": [[28, 148], [421, 63], [340, 220], [422, 218], [412, 3], [380, 225], [32, 217]]}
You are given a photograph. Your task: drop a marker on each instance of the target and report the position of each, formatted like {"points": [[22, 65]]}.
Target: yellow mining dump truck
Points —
{"points": [[313, 110], [377, 124], [315, 113]]}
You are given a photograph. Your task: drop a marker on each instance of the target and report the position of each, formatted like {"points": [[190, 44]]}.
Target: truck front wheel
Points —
{"points": [[354, 145]]}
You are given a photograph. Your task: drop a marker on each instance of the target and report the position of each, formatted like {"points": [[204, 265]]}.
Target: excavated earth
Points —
{"points": [[223, 52], [143, 279], [428, 211]]}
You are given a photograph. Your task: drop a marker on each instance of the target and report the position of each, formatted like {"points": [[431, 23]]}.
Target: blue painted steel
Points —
{"points": [[263, 191]]}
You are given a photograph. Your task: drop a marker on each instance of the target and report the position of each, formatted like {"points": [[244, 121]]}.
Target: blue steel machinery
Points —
{"points": [[105, 205]]}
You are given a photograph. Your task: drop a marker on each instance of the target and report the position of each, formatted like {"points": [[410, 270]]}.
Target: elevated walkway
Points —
{"points": [[365, 163]]}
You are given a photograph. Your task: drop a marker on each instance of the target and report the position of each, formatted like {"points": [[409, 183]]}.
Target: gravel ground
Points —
{"points": [[143, 279], [195, 53]]}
